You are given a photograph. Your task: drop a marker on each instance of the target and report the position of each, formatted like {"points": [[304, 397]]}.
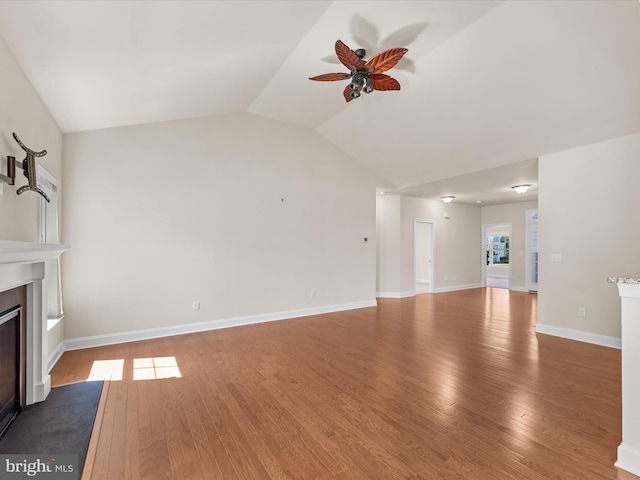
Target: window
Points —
{"points": [[532, 250], [48, 233], [497, 250]]}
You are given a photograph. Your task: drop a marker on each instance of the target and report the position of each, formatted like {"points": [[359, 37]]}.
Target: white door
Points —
{"points": [[423, 252]]}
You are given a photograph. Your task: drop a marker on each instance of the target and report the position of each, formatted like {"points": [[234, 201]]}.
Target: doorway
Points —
{"points": [[423, 255], [496, 263], [531, 265]]}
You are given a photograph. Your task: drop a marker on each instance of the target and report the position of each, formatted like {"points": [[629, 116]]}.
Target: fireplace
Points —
{"points": [[24, 267], [12, 354]]}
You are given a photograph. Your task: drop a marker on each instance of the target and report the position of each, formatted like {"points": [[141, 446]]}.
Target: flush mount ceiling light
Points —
{"points": [[521, 188], [366, 76], [447, 199]]}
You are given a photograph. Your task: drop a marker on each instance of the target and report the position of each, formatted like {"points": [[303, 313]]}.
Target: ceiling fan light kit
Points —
{"points": [[366, 76]]}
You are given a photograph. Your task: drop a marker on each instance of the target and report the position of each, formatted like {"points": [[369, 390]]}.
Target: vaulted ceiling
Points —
{"points": [[487, 86]]}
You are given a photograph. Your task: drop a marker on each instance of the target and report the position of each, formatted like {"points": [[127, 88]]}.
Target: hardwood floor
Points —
{"points": [[442, 386]]}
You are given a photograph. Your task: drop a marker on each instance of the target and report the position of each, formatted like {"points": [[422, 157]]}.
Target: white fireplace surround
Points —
{"points": [[24, 263]]}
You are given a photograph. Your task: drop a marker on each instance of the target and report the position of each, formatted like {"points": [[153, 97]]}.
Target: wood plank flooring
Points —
{"points": [[441, 386]]}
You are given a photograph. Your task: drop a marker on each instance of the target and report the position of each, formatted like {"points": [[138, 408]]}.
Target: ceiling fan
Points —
{"points": [[366, 76]]}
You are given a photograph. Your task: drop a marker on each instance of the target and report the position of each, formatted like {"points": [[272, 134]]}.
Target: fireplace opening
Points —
{"points": [[12, 355]]}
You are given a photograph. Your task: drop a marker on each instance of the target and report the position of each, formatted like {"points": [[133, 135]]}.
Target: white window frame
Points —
{"points": [[50, 234]]}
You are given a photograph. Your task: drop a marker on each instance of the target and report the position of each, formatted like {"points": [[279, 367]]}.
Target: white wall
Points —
{"points": [[389, 274], [588, 206], [22, 111], [458, 252], [515, 214], [246, 215]]}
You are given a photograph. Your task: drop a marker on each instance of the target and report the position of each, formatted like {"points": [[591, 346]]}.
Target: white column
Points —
{"points": [[38, 377], [629, 449]]}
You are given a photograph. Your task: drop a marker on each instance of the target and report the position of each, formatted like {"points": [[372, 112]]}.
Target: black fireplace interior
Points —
{"points": [[12, 354]]}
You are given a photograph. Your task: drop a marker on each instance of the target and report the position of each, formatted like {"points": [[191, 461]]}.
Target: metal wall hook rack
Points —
{"points": [[29, 167]]}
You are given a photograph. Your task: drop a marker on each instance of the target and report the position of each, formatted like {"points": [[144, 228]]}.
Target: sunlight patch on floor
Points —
{"points": [[150, 368], [155, 367], [106, 370]]}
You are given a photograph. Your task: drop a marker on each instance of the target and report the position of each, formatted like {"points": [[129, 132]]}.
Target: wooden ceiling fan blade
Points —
{"points": [[330, 77], [382, 82], [347, 56], [383, 61], [348, 93]]}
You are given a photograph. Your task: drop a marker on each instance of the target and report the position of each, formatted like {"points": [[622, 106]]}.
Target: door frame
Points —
{"points": [[485, 227], [527, 250], [432, 252]]}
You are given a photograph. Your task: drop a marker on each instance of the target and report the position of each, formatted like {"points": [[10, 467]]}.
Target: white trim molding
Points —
{"points": [[454, 288], [413, 293], [628, 459], [408, 294], [26, 252], [629, 290], [629, 448], [147, 334], [579, 335], [516, 288], [55, 356]]}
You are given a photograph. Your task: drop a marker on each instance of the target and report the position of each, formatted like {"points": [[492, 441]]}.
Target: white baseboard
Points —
{"points": [[413, 293], [55, 356], [628, 459], [454, 288], [396, 294], [518, 289], [579, 335], [146, 334]]}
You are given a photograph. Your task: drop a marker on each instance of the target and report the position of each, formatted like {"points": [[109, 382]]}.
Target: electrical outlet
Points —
{"points": [[312, 294], [196, 305], [556, 257], [582, 312]]}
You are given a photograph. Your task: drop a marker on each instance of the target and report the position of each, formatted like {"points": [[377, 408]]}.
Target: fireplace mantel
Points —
{"points": [[24, 263], [26, 252]]}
